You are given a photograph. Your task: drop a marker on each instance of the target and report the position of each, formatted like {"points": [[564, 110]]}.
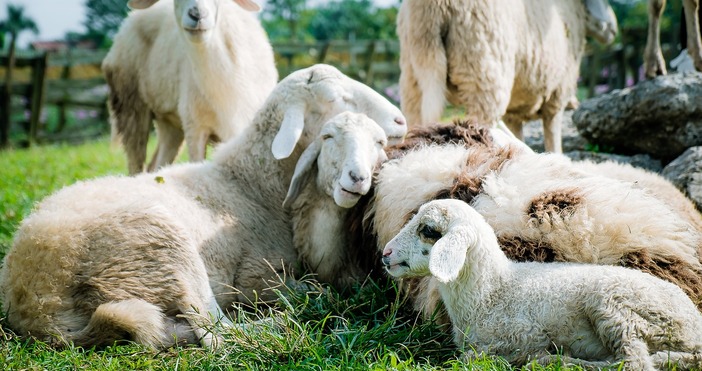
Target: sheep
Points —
{"points": [[123, 257], [654, 64], [515, 60], [320, 207], [587, 315], [200, 68], [542, 207]]}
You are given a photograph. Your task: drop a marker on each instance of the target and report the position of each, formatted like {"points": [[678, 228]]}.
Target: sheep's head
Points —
{"points": [[314, 95], [435, 241], [197, 18], [346, 152], [600, 21]]}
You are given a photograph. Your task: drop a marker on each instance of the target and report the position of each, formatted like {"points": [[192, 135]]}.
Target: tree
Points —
{"points": [[103, 18], [283, 12], [347, 19], [15, 24]]}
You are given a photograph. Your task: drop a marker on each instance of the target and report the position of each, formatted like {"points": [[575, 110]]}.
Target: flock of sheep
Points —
{"points": [[528, 256]]}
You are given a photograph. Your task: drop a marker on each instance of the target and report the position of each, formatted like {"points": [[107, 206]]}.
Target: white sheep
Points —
{"points": [[588, 315], [542, 208], [330, 177], [199, 68], [512, 59], [126, 255], [654, 64]]}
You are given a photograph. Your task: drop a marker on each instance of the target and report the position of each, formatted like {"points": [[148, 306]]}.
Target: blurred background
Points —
{"points": [[57, 92]]}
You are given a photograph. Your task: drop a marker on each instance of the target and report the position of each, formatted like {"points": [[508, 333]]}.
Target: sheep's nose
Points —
{"points": [[386, 253], [356, 178], [400, 121], [197, 13]]}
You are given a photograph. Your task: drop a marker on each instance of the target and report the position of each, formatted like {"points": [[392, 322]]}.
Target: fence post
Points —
{"points": [[6, 96], [37, 99], [61, 105]]}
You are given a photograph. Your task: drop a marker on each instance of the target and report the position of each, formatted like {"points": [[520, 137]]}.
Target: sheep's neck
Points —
{"points": [[318, 225], [482, 276]]}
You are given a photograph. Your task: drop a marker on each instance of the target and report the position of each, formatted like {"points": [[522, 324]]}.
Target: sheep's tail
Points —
{"points": [[132, 319]]}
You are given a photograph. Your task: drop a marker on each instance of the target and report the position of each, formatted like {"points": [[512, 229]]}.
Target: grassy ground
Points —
{"points": [[319, 330]]}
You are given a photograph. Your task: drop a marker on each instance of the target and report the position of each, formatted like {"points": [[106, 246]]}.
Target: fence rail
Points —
{"points": [[72, 78]]}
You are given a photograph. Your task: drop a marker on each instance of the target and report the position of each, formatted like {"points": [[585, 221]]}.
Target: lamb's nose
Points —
{"points": [[386, 253], [197, 14], [400, 121], [356, 178]]}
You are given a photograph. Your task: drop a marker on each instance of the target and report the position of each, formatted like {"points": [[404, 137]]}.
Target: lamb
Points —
{"points": [[587, 315], [542, 207], [654, 64], [320, 207], [98, 261], [200, 68], [515, 60]]}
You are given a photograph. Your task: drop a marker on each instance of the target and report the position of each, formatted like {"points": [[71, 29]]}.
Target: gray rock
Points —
{"points": [[641, 160], [661, 117], [686, 173]]}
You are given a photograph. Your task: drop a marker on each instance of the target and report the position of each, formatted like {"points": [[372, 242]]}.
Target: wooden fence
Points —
{"points": [[68, 81]]}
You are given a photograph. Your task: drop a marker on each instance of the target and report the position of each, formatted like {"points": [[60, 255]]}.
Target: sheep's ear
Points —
{"points": [[140, 4], [289, 133], [302, 171], [448, 255], [248, 5]]}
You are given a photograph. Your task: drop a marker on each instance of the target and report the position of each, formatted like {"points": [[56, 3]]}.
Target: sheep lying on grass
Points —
{"points": [[320, 207], [200, 68], [542, 208], [512, 59], [587, 315], [120, 258]]}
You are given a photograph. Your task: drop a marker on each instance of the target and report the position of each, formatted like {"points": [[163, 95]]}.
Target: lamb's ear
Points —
{"points": [[449, 254], [248, 5], [289, 133], [303, 171], [140, 4]]}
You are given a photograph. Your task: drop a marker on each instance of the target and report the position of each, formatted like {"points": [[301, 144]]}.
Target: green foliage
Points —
{"points": [[286, 20], [17, 22], [102, 19]]}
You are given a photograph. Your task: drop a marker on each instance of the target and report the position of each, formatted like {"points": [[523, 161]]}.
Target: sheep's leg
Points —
{"points": [[196, 138], [410, 96], [515, 127], [654, 64], [552, 132], [170, 139], [692, 24]]}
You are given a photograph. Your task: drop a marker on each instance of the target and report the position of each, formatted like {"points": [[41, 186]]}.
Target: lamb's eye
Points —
{"points": [[429, 233], [326, 136]]}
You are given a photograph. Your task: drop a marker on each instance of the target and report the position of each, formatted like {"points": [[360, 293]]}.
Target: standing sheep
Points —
{"points": [[199, 68], [322, 192], [588, 315], [654, 64], [122, 257], [513, 59]]}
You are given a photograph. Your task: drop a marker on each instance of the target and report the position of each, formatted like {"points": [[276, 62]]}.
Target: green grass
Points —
{"points": [[321, 330]]}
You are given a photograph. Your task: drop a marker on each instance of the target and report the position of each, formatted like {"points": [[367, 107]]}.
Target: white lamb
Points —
{"points": [[120, 257], [323, 189], [199, 68], [512, 59], [654, 64], [588, 315]]}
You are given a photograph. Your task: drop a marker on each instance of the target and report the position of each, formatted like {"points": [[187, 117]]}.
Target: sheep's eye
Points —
{"points": [[429, 233], [326, 136]]}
